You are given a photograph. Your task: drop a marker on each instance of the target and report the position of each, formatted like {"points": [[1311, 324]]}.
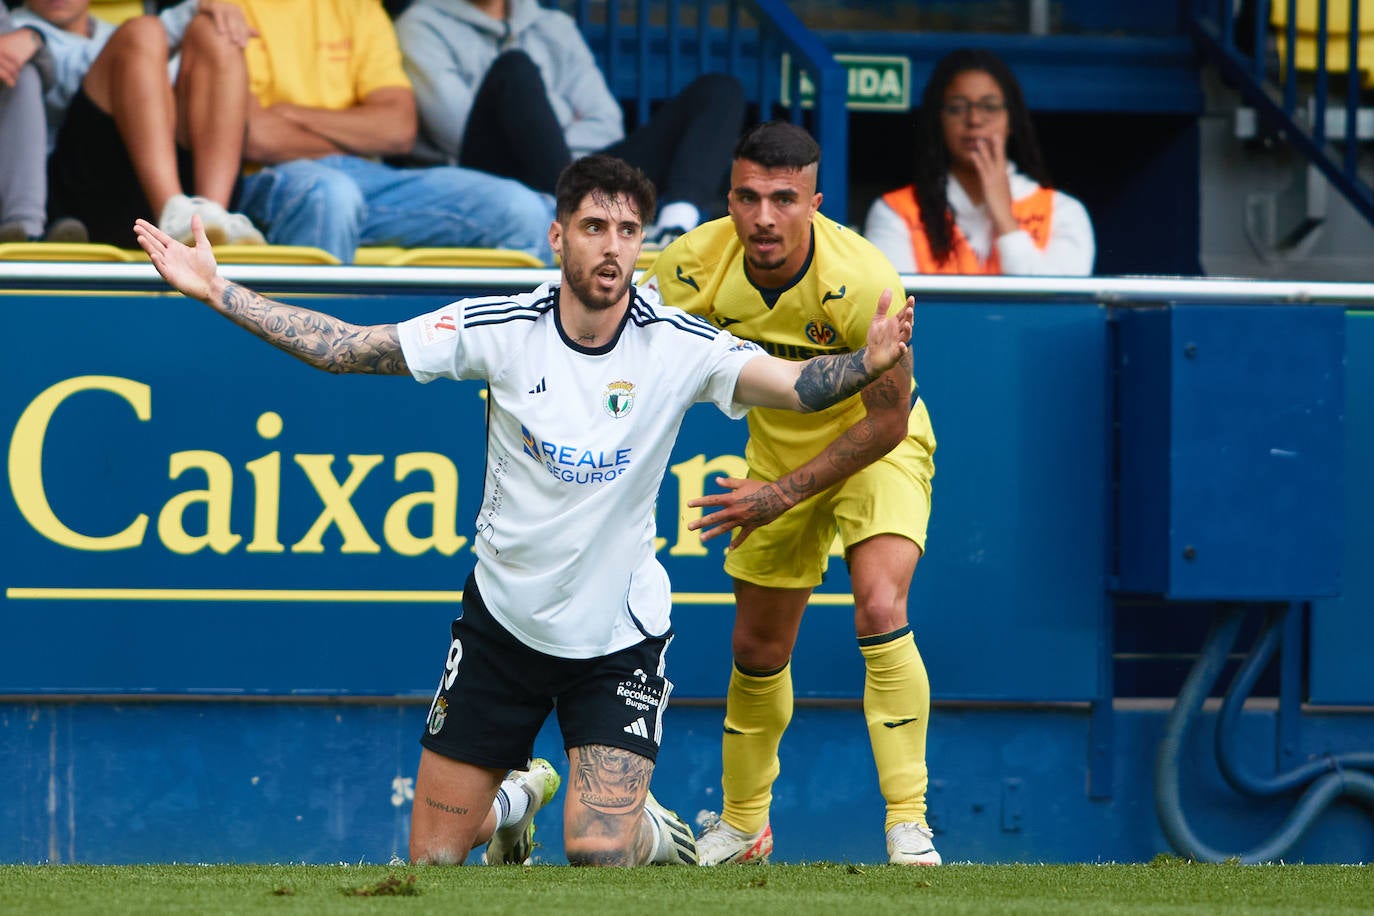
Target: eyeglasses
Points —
{"points": [[959, 108]]}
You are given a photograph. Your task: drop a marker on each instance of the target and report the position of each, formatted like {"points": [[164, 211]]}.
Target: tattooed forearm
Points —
{"points": [[888, 404], [827, 380], [320, 340], [767, 503]]}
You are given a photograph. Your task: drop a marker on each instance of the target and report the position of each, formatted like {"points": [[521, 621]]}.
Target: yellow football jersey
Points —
{"points": [[827, 309]]}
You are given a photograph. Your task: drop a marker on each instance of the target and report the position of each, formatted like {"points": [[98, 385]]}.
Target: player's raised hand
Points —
{"points": [[189, 270], [888, 334]]}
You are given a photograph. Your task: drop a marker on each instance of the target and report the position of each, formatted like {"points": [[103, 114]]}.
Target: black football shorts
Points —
{"points": [[495, 693]]}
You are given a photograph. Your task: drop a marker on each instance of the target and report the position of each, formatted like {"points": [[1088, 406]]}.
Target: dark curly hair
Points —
{"points": [[932, 158], [607, 176]]}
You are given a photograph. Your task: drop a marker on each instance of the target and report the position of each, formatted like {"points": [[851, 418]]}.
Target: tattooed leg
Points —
{"points": [[603, 814], [452, 809]]}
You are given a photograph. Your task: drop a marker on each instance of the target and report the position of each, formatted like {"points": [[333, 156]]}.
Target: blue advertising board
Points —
{"points": [[192, 512]]}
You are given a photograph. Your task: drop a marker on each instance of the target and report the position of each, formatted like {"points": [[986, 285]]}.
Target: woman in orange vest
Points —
{"points": [[980, 202]]}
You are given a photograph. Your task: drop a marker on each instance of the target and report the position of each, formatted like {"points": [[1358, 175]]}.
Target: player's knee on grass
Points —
{"points": [[608, 840]]}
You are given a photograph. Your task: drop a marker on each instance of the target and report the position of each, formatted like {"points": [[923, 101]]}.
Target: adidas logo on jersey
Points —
{"points": [[639, 728], [540, 388]]}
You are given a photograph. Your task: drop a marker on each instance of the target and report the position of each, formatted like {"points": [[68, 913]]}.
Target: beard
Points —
{"points": [[765, 265], [584, 286]]}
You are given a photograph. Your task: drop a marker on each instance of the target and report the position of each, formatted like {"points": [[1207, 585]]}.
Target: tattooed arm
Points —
{"points": [[751, 504], [320, 340], [822, 381]]}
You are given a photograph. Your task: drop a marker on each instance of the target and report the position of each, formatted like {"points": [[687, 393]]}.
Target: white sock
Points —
{"points": [[679, 214], [659, 853], [510, 804]]}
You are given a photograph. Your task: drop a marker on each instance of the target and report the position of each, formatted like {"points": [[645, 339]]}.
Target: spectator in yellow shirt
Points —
{"points": [[330, 100]]}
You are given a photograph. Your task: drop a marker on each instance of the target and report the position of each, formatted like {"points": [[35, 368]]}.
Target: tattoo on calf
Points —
{"points": [[447, 809], [612, 780], [827, 380]]}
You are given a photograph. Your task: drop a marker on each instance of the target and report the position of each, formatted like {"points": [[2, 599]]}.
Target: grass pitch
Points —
{"points": [[1164, 886]]}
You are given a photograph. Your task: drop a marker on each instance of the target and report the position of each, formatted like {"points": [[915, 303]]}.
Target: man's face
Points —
{"points": [[68, 15], [599, 247], [772, 210]]}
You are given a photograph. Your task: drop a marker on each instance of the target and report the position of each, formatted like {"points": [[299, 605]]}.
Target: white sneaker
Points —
{"points": [[221, 226], [175, 219], [513, 845], [240, 230], [721, 844], [676, 845], [911, 844]]}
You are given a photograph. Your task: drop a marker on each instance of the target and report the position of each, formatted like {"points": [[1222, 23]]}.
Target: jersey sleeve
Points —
{"points": [[861, 299], [726, 359], [436, 346]]}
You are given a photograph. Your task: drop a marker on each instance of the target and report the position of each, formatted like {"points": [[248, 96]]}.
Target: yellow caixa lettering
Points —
{"points": [[26, 461], [30, 493], [442, 502], [217, 498], [692, 476]]}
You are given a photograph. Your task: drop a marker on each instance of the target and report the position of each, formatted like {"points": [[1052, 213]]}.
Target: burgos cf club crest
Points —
{"points": [[618, 398], [820, 333], [437, 715]]}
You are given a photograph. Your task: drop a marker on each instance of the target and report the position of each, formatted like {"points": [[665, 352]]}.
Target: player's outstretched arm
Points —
{"points": [[315, 338], [750, 504], [822, 381]]}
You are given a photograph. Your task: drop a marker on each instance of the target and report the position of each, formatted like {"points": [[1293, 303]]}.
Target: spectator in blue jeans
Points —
{"points": [[330, 100], [511, 87]]}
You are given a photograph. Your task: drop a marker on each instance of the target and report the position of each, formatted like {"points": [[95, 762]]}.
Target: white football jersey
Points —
{"points": [[578, 440]]}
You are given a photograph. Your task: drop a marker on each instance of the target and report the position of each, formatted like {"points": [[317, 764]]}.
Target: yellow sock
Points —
{"points": [[896, 707], [757, 711]]}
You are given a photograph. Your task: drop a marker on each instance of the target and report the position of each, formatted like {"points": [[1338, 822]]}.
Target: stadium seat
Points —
{"points": [[1337, 37], [463, 257], [377, 255], [273, 254], [116, 12], [66, 251]]}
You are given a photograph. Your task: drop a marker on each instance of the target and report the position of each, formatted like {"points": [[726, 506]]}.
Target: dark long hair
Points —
{"points": [[932, 157]]}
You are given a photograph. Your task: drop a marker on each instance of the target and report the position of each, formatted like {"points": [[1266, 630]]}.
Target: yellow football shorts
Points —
{"points": [[890, 496]]}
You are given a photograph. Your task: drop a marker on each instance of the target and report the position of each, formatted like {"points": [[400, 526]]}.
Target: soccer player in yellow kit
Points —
{"points": [[779, 273]]}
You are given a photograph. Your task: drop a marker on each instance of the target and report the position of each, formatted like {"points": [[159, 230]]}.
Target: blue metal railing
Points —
{"points": [[650, 49], [1269, 79]]}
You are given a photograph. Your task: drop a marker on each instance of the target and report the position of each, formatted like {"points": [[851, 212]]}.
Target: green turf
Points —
{"points": [[1164, 886]]}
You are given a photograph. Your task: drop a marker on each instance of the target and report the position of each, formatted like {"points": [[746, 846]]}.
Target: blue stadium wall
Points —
{"points": [[228, 580]]}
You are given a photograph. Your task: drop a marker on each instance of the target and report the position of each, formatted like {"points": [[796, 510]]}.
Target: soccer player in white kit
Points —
{"points": [[588, 384]]}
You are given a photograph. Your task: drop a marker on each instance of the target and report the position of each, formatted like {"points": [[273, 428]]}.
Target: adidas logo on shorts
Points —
{"points": [[639, 728]]}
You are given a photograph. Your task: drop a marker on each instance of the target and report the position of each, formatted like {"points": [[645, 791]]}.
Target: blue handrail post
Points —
{"points": [[830, 115]]}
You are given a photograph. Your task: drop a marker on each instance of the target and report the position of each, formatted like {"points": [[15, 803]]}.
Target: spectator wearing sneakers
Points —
{"points": [[129, 130], [26, 68], [330, 101], [511, 88]]}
